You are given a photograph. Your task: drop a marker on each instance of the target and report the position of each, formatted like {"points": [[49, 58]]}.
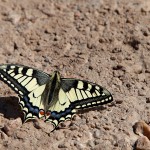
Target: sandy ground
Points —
{"points": [[106, 42]]}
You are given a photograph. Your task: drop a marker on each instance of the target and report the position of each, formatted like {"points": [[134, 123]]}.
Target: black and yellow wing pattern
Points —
{"points": [[29, 84], [77, 94], [50, 96]]}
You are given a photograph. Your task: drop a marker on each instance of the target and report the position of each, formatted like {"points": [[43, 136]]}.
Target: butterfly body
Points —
{"points": [[50, 96]]}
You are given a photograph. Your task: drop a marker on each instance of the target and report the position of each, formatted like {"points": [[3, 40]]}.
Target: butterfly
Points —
{"points": [[50, 96]]}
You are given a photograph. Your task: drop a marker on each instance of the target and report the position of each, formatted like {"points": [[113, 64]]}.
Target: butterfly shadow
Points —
{"points": [[9, 107]]}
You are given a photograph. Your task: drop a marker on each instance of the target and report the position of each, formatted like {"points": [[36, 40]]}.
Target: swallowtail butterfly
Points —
{"points": [[50, 96]]}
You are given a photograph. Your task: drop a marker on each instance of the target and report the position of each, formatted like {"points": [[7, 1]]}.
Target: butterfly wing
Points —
{"points": [[76, 94], [29, 84]]}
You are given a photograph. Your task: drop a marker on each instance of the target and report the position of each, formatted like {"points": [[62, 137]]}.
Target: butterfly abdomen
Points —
{"points": [[54, 86], [52, 90]]}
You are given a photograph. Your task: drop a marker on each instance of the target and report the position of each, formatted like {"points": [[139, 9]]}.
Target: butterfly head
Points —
{"points": [[56, 75]]}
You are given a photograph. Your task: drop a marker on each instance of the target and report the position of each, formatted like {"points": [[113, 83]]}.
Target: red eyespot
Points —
{"points": [[42, 112], [48, 113]]}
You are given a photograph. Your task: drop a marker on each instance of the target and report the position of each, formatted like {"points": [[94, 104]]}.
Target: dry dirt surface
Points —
{"points": [[104, 41]]}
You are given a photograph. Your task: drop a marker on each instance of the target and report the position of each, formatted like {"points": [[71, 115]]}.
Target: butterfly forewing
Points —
{"points": [[83, 94], [29, 84]]}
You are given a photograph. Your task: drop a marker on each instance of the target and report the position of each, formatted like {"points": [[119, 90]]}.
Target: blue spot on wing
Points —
{"points": [[57, 115], [31, 109]]}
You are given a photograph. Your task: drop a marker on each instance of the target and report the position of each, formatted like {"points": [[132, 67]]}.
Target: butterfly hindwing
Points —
{"points": [[61, 110], [29, 84], [76, 94]]}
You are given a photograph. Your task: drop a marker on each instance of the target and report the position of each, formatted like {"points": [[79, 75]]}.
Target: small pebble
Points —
{"points": [[14, 18], [91, 143], [63, 145], [40, 124], [1, 121], [96, 134], [137, 68], [11, 126], [142, 143], [3, 136], [141, 128]]}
